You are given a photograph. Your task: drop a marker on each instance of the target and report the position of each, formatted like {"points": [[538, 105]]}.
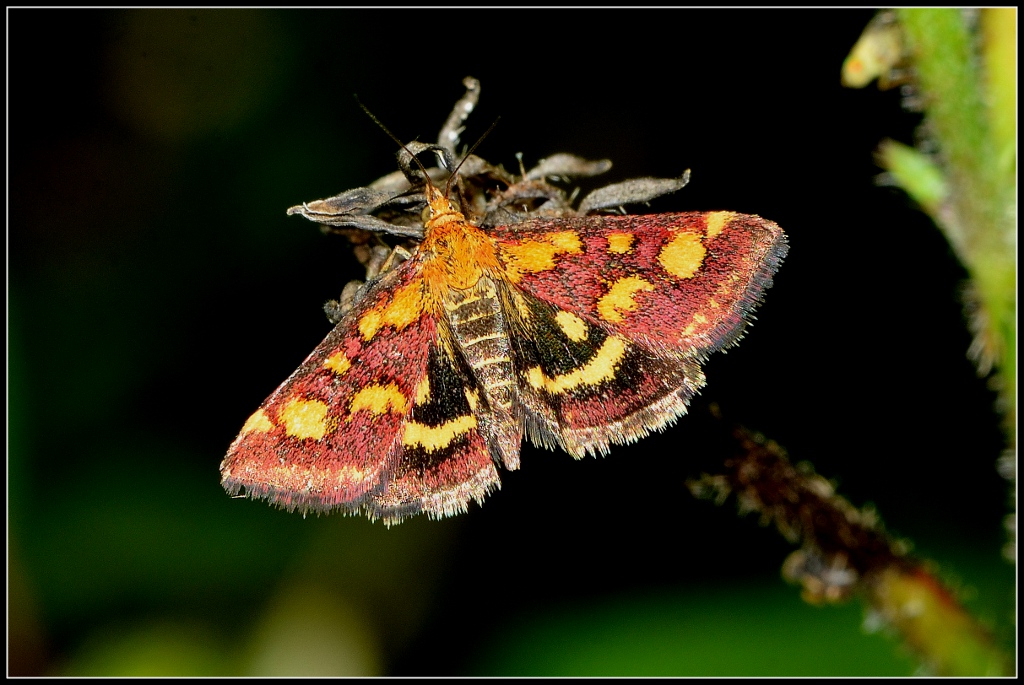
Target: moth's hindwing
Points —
{"points": [[445, 460], [585, 387]]}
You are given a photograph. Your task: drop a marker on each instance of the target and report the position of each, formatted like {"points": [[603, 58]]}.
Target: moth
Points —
{"points": [[509, 313]]}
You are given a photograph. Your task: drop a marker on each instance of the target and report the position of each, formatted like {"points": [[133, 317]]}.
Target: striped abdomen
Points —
{"points": [[480, 329]]}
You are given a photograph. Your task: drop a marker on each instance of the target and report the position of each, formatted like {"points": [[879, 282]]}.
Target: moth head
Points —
{"points": [[438, 203]]}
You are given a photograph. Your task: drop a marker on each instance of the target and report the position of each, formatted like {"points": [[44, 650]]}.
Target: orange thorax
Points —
{"points": [[455, 253]]}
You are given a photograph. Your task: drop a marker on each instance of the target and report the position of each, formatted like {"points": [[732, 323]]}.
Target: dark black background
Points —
{"points": [[158, 293]]}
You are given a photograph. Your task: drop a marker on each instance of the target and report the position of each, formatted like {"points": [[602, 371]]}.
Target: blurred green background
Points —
{"points": [[158, 293]]}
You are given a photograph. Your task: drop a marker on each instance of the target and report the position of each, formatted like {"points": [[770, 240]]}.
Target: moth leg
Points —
{"points": [[336, 309], [378, 260], [397, 255]]}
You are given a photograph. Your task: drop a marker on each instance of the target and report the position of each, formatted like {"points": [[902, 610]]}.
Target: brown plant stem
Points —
{"points": [[845, 552]]}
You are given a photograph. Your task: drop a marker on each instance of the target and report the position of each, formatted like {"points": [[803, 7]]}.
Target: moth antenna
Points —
{"points": [[395, 138], [455, 171]]}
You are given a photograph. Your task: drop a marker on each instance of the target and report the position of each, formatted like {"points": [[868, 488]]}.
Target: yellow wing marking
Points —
{"points": [[717, 221], [423, 391], [338, 363], [258, 422], [539, 255], [619, 298], [683, 255], [601, 367], [405, 307], [573, 326], [620, 243], [379, 399], [304, 418], [433, 438]]}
